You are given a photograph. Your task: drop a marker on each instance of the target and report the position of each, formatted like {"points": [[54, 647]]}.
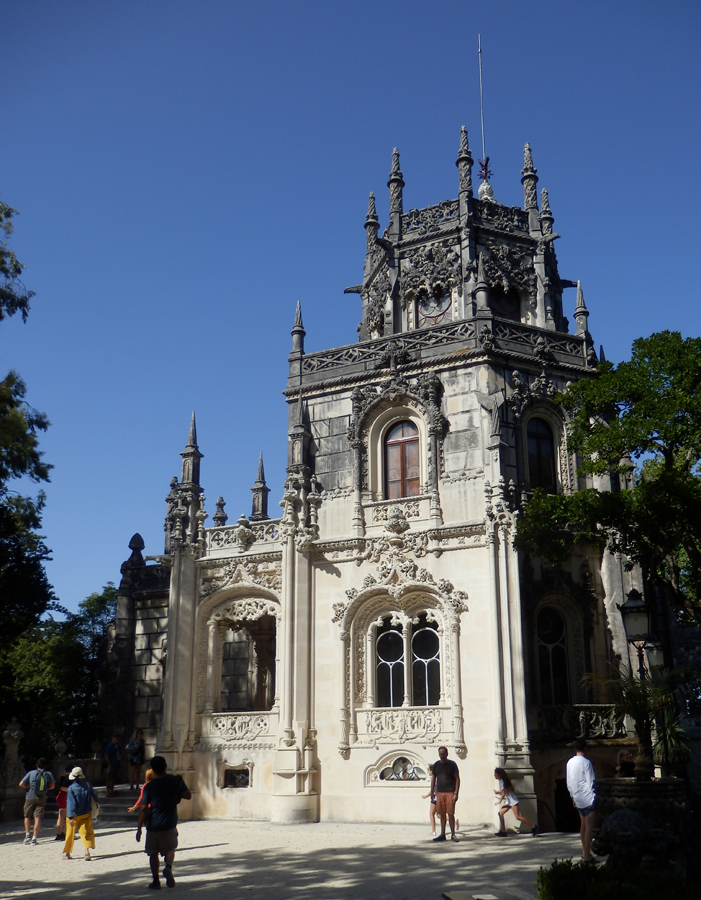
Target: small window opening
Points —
{"points": [[541, 456]]}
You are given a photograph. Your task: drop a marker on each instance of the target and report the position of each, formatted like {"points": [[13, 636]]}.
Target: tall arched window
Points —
{"points": [[423, 643], [541, 456], [402, 470], [553, 668]]}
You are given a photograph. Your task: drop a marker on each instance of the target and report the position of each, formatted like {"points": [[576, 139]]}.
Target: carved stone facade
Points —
{"points": [[384, 613]]}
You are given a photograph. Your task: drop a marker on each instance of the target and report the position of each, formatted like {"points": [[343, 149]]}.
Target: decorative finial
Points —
{"points": [[372, 224], [220, 518], [395, 185], [191, 456], [260, 494], [546, 215], [298, 331], [602, 355], [464, 163], [581, 313], [529, 179]]}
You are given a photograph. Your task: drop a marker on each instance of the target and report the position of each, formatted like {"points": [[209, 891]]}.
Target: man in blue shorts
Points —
{"points": [[580, 784], [159, 809]]}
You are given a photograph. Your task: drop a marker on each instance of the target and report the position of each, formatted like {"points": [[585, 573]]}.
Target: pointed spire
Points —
{"points": [[529, 179], [192, 435], [191, 456], [602, 355], [546, 215], [464, 163], [372, 224], [581, 313], [260, 494], [220, 518], [395, 185], [298, 331]]}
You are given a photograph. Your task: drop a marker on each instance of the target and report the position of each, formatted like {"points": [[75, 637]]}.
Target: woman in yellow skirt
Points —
{"points": [[78, 813]]}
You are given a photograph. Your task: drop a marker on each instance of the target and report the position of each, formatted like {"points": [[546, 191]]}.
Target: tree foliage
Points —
{"points": [[644, 413], [14, 297], [49, 677]]}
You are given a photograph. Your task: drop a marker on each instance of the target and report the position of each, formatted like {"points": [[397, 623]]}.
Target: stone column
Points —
{"points": [[457, 685], [370, 668], [212, 634], [343, 745], [358, 519], [407, 662], [288, 618], [497, 674], [507, 653]]}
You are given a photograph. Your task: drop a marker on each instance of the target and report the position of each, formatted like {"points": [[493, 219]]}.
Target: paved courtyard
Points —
{"points": [[331, 861]]}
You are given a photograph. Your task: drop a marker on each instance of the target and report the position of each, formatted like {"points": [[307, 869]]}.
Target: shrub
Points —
{"points": [[566, 880]]}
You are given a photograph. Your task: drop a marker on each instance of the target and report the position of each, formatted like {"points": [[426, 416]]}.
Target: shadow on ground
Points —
{"points": [[479, 865]]}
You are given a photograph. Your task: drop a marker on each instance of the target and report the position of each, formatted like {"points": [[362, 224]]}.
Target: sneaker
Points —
{"points": [[59, 837], [168, 875], [33, 842], [453, 838], [441, 837], [155, 885], [500, 834], [27, 838], [433, 834], [534, 830]]}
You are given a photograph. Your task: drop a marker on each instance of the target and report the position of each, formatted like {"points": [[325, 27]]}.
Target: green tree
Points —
{"points": [[14, 297], [646, 410], [49, 677]]}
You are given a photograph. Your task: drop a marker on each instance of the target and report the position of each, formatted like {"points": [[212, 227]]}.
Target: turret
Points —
{"points": [[464, 163], [372, 223], [260, 494], [546, 216], [396, 186], [481, 288], [529, 180], [299, 437], [191, 457]]}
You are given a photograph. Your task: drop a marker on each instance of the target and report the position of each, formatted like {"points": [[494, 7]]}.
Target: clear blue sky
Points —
{"points": [[187, 171]]}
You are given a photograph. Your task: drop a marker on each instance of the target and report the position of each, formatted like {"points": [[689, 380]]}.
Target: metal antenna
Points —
{"points": [[484, 162], [479, 54]]}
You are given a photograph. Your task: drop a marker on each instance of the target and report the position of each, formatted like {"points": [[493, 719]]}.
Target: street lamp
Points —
{"points": [[636, 623]]}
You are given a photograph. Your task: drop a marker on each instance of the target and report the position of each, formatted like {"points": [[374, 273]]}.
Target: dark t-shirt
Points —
{"points": [[446, 774], [113, 754], [163, 795]]}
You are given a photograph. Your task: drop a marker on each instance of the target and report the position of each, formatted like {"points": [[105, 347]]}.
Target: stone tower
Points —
{"points": [[317, 660]]}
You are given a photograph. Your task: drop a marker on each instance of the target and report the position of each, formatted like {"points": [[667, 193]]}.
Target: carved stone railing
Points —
{"points": [[411, 508], [431, 218], [240, 537], [593, 721], [239, 729], [402, 725]]}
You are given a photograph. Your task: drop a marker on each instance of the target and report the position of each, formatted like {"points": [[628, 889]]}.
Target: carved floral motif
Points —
{"points": [[240, 726], [389, 726]]}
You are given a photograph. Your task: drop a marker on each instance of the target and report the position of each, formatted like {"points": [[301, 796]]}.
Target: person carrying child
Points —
{"points": [[507, 796]]}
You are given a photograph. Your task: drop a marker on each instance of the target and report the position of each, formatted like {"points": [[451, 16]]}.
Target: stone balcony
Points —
{"points": [[244, 730], [564, 723]]}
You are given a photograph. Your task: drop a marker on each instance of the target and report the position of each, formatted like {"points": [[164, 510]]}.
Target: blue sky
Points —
{"points": [[187, 171]]}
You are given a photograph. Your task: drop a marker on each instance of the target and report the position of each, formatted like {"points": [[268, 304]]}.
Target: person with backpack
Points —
{"points": [[37, 783], [158, 809], [79, 813]]}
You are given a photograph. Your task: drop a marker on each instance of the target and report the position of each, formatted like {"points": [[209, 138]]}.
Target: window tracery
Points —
{"points": [[541, 455]]}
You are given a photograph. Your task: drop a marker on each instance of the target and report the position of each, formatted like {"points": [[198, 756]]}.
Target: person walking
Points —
{"points": [[162, 795], [137, 753], [507, 796], [37, 784], [61, 800], [148, 777], [445, 785], [580, 784], [113, 756], [79, 813], [432, 807]]}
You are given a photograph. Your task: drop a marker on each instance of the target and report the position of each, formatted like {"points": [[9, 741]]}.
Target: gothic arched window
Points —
{"points": [[553, 666], [423, 643], [402, 469], [541, 455]]}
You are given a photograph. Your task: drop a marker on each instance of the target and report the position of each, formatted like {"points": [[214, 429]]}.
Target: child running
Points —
{"points": [[507, 796], [432, 807]]}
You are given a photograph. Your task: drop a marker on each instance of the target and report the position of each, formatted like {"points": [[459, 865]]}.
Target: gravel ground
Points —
{"points": [[330, 861]]}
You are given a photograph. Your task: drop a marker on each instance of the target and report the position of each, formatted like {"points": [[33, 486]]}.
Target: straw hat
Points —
{"points": [[76, 773]]}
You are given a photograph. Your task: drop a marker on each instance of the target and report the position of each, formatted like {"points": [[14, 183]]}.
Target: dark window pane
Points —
{"points": [[541, 455], [402, 463], [434, 683], [553, 667]]}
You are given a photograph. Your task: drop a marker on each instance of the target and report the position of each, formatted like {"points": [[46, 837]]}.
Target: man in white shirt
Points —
{"points": [[580, 784]]}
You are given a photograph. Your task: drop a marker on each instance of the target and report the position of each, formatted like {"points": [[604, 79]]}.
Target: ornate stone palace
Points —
{"points": [[307, 667]]}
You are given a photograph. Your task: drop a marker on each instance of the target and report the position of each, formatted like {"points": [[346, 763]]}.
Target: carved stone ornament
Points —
{"points": [[247, 609], [377, 294], [486, 338], [523, 393], [431, 219], [508, 265], [424, 391], [265, 574], [433, 269], [240, 726], [398, 726], [490, 214]]}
